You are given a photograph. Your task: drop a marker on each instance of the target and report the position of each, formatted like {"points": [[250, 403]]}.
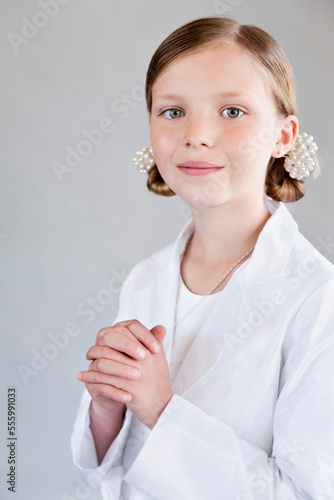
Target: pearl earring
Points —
{"points": [[299, 161], [144, 160]]}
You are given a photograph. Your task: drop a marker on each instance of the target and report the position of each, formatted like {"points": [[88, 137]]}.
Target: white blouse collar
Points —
{"points": [[272, 248]]}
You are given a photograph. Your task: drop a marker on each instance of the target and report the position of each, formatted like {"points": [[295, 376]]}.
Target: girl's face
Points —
{"points": [[214, 126]]}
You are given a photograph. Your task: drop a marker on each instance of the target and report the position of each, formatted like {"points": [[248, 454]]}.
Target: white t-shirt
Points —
{"points": [[185, 332]]}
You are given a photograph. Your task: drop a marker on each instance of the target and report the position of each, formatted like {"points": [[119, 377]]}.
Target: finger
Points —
{"points": [[109, 392], [120, 339], [96, 352], [142, 334], [110, 367], [96, 377], [101, 333], [109, 329], [159, 333], [135, 328]]}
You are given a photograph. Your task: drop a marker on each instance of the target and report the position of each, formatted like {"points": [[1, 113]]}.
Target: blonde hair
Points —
{"points": [[213, 31]]}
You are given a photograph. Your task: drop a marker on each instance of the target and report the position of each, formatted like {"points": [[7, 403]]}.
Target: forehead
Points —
{"points": [[214, 69]]}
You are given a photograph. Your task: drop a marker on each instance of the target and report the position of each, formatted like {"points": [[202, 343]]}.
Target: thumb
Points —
{"points": [[159, 332]]}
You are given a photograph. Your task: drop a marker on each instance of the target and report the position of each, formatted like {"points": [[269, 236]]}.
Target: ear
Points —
{"points": [[287, 135]]}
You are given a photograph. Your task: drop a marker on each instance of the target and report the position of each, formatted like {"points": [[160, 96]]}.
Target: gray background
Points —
{"points": [[61, 243]]}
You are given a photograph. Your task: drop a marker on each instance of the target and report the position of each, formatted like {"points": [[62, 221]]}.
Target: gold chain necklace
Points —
{"points": [[215, 286]]}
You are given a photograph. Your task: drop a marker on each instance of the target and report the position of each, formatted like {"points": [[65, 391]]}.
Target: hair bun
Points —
{"points": [[280, 186], [156, 184]]}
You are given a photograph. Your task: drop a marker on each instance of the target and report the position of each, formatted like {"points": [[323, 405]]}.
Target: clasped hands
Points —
{"points": [[129, 366]]}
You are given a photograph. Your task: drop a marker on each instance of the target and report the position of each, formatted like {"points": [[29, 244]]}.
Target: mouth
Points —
{"points": [[198, 167]]}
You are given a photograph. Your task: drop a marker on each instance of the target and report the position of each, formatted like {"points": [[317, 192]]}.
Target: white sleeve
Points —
{"points": [[191, 455], [82, 441], [83, 447]]}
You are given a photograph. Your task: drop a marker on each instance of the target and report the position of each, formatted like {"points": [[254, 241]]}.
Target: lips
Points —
{"points": [[198, 167], [198, 164]]}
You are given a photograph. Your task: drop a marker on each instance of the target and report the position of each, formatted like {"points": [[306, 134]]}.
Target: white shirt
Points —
{"points": [[253, 411]]}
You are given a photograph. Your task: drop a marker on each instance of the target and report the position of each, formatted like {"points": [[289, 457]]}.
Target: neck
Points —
{"points": [[226, 232]]}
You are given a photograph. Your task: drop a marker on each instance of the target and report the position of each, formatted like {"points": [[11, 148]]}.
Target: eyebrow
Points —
{"points": [[230, 93], [234, 93]]}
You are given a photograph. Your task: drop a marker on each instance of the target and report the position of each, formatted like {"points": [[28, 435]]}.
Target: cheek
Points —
{"points": [[253, 145], [162, 149], [249, 150]]}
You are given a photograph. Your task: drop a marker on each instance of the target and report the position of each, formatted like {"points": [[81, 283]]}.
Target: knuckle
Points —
{"points": [[99, 363], [123, 330], [105, 339], [118, 328], [101, 339], [101, 333], [104, 330]]}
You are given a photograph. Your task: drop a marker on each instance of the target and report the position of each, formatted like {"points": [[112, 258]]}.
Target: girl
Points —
{"points": [[216, 380]]}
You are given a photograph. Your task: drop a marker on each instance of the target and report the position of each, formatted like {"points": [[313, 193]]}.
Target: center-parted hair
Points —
{"points": [[209, 32]]}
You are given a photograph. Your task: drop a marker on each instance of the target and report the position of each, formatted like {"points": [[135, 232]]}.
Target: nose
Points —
{"points": [[199, 132]]}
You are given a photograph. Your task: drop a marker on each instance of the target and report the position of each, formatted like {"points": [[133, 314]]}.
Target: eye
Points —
{"points": [[232, 112], [173, 113]]}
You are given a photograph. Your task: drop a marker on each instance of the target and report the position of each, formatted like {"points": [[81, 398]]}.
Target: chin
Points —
{"points": [[200, 201]]}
